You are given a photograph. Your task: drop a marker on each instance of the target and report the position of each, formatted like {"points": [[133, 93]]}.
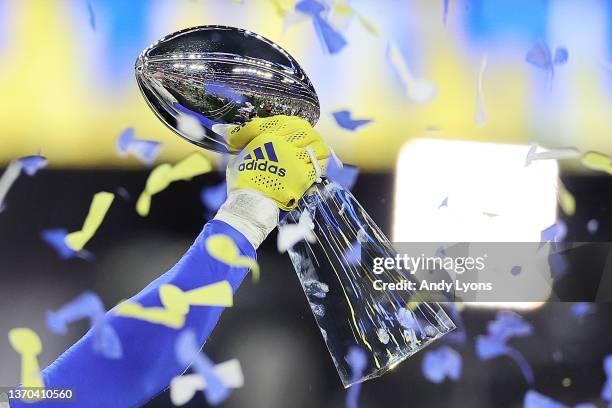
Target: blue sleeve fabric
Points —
{"points": [[148, 363]]}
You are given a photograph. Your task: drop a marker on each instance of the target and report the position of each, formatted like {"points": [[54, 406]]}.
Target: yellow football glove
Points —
{"points": [[283, 157]]}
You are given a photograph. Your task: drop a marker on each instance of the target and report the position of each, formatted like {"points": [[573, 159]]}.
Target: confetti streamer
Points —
{"points": [[214, 196], [184, 387], [164, 174], [442, 363], [188, 352], [606, 392], [343, 174], [90, 306], [581, 309], [505, 326], [157, 315], [419, 91], [551, 154], [592, 226], [566, 199], [27, 343], [29, 164], [9, 177], [331, 40], [99, 207], [291, 234], [480, 118], [145, 150], [358, 361], [344, 120], [224, 249], [597, 161]]}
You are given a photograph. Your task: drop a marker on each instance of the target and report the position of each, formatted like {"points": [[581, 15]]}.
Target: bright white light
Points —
{"points": [[492, 196]]}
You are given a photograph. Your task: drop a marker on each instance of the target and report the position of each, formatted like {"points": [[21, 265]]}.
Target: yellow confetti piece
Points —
{"points": [[159, 315], [164, 174], [224, 249], [597, 161], [27, 343], [216, 294], [566, 200], [99, 207]]}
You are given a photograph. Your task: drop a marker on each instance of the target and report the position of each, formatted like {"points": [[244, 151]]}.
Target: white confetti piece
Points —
{"points": [[291, 234], [184, 387]]}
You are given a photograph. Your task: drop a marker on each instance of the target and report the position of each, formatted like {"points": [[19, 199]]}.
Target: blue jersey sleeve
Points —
{"points": [[148, 363]]}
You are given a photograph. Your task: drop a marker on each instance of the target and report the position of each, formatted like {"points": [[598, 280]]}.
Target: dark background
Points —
{"points": [[271, 329]]}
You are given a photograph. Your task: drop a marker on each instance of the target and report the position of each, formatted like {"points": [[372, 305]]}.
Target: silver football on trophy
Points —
{"points": [[222, 75]]}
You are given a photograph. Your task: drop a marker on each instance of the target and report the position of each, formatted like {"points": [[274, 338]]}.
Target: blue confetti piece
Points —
{"points": [[442, 363], [145, 150], [445, 16], [539, 56], [345, 121], [507, 325], [331, 40], [581, 309], [310, 7], [554, 233], [488, 347], [606, 392], [214, 196], [353, 254], [188, 352], [534, 399], [56, 239], [561, 56], [92, 15], [444, 203], [516, 270], [87, 305], [343, 174], [358, 361], [31, 164]]}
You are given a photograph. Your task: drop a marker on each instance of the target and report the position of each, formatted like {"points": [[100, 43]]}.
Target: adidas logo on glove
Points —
{"points": [[256, 164]]}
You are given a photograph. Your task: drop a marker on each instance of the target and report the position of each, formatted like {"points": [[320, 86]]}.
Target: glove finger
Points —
{"points": [[241, 136]]}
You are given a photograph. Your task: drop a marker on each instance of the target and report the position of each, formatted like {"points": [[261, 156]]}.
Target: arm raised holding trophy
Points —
{"points": [[253, 101]]}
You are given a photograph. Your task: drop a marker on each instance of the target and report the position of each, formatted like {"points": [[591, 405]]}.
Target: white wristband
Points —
{"points": [[251, 213]]}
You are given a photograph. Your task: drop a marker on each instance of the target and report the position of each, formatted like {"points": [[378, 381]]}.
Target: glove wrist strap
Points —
{"points": [[251, 213]]}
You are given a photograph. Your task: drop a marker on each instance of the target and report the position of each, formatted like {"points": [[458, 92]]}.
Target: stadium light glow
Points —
{"points": [[463, 191]]}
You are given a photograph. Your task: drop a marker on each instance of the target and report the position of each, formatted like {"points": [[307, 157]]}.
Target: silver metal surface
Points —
{"points": [[222, 75]]}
